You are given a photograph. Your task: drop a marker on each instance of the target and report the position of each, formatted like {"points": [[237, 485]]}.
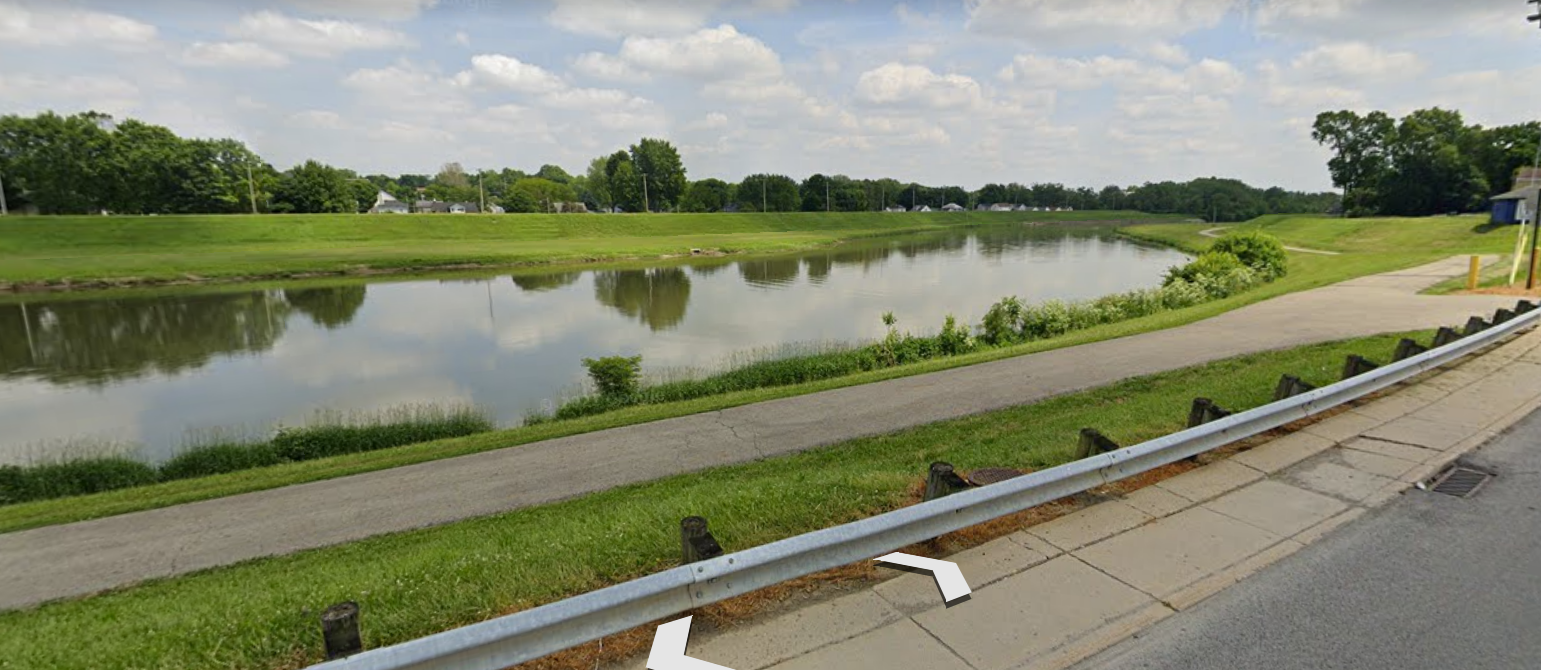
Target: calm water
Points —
{"points": [[146, 370]]}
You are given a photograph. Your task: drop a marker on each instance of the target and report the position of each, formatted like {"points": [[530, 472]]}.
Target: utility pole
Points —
{"points": [[4, 211], [251, 189], [646, 206], [826, 194], [763, 182], [481, 193], [1530, 280]]}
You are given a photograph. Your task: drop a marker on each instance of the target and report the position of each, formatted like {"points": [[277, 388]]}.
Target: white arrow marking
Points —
{"points": [[668, 651], [947, 574]]}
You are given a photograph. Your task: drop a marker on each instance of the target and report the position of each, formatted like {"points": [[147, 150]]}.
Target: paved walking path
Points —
{"points": [[1218, 231], [1051, 595], [89, 556]]}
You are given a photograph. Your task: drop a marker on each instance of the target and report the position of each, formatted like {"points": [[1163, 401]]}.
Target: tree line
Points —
{"points": [[1428, 162], [89, 163]]}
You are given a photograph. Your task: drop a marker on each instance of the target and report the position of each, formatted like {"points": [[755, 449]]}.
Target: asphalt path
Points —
{"points": [[1429, 582], [80, 558]]}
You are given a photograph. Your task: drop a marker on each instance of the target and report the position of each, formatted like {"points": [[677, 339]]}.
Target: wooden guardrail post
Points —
{"points": [[1503, 315], [1093, 442], [1290, 385], [339, 630], [1356, 365], [1445, 336], [696, 542], [942, 480], [1204, 411], [1408, 348], [1475, 325], [1524, 306]]}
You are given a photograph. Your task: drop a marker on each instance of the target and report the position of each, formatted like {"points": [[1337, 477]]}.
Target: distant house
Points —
{"points": [[386, 204], [1516, 206], [1001, 207], [922, 208], [896, 208], [495, 209], [440, 207], [952, 207], [1024, 208], [570, 208]]}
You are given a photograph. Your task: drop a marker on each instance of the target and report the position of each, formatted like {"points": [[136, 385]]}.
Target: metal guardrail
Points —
{"points": [[531, 634]]}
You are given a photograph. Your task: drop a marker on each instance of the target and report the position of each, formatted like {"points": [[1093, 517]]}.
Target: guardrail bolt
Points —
{"points": [[1094, 442], [1524, 306], [942, 480], [1357, 365], [1445, 336], [696, 542], [1475, 325], [1408, 348], [339, 628], [1290, 385], [1503, 315]]}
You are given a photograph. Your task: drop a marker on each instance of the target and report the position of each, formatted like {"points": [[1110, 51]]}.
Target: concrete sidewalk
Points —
{"points": [[81, 558], [1053, 594]]}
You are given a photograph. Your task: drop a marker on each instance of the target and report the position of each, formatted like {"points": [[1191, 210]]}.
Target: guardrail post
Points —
{"points": [[1503, 315], [941, 480], [1199, 410], [1408, 348], [1445, 336], [697, 543], [1290, 385], [1094, 442], [1356, 365], [1524, 306], [1475, 325], [339, 629]]}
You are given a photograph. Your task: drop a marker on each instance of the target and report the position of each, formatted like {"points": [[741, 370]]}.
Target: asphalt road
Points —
{"points": [[1427, 582], [80, 558]]}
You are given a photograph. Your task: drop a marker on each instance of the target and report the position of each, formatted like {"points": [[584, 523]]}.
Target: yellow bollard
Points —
{"points": [[1471, 275]]}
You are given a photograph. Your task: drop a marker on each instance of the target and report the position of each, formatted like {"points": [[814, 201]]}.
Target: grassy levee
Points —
{"points": [[1367, 248], [262, 613], [50, 250]]}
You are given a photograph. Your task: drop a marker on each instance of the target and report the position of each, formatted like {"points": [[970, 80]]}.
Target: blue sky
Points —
{"points": [[1084, 92]]}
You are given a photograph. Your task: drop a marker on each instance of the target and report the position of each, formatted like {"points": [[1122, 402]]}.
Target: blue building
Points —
{"points": [[1517, 206]]}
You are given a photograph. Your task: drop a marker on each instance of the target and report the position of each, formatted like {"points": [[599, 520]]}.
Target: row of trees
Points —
{"points": [[1428, 162], [88, 163]]}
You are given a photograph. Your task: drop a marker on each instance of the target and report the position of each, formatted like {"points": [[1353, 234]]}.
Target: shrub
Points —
{"points": [[1208, 263], [214, 459], [72, 478], [953, 340], [1002, 324], [1260, 251], [332, 435], [615, 375]]}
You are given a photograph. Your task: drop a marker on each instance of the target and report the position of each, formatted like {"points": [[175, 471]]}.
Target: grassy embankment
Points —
{"points": [[129, 250], [1368, 246], [262, 613]]}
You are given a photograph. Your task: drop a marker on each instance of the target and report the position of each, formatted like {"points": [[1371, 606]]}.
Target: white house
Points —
{"points": [[922, 208], [385, 204], [896, 208], [952, 207], [1000, 207]]}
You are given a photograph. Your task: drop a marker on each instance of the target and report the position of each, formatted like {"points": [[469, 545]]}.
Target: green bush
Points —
{"points": [[615, 376], [214, 459], [72, 478], [1002, 324], [332, 435], [1262, 252], [1208, 263]]}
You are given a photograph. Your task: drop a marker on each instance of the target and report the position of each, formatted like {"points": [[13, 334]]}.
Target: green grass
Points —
{"points": [[262, 613], [79, 249]]}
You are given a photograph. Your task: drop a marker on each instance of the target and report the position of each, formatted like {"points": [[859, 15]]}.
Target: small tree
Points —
{"points": [[615, 376]]}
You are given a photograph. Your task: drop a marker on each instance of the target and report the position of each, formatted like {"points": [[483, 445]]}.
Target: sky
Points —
{"points": [[1081, 92]]}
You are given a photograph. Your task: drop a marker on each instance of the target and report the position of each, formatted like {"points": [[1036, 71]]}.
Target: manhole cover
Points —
{"points": [[985, 476], [1461, 482]]}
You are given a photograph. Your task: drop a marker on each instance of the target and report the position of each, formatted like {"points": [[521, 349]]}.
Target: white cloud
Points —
{"points": [[593, 99], [380, 10], [614, 18], [1371, 19], [710, 54], [232, 54], [407, 87], [397, 131], [1356, 61], [109, 94], [1074, 74], [462, 38], [315, 37], [1093, 22], [507, 72], [54, 26], [608, 67], [1164, 52], [898, 84], [318, 118], [714, 120]]}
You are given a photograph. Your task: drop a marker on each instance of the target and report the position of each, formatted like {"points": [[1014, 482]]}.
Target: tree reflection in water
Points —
{"points": [[656, 297], [330, 308]]}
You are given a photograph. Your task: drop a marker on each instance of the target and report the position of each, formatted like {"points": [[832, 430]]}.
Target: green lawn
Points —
{"points": [[1376, 245], [79, 249], [262, 613]]}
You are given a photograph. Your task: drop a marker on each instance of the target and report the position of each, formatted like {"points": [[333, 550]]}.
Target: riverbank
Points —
{"points": [[1374, 249], [419, 582], [74, 253]]}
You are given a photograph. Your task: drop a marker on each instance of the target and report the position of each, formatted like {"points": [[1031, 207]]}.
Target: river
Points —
{"points": [[144, 370]]}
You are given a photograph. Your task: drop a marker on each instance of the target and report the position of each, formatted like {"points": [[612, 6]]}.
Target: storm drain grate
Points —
{"points": [[1461, 482]]}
